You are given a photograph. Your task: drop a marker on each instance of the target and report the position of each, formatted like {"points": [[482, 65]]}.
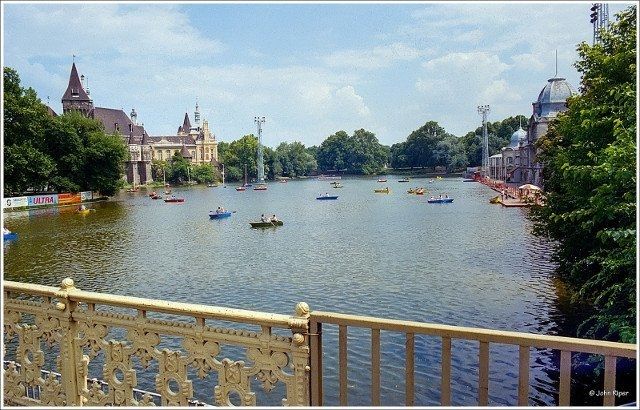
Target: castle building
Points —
{"points": [[134, 136], [195, 143], [518, 162]]}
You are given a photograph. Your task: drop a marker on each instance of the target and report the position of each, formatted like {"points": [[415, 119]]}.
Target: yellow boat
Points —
{"points": [[84, 211], [382, 191]]}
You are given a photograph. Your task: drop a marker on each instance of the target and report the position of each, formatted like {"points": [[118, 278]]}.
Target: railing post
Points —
{"points": [[315, 343], [299, 325], [72, 365]]}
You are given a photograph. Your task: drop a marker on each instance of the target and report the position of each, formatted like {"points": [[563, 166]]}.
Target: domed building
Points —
{"points": [[519, 159], [511, 156]]}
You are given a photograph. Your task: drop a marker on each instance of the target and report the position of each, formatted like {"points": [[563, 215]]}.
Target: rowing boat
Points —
{"points": [[326, 197], [9, 236], [170, 200], [382, 191], [219, 215], [440, 200], [266, 224]]}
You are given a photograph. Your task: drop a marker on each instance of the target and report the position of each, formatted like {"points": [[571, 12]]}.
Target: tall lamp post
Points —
{"points": [[259, 121], [484, 111]]}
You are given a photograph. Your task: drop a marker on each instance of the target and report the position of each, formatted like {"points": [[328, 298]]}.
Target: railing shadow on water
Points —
{"points": [[65, 346]]}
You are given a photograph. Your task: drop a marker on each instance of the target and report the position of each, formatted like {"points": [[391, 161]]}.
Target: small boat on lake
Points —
{"points": [[433, 200], [403, 180], [9, 236], [326, 197], [328, 177], [241, 188], [219, 215], [338, 186], [153, 194], [266, 224], [173, 199], [382, 179], [156, 196], [83, 211], [382, 190], [261, 187]]}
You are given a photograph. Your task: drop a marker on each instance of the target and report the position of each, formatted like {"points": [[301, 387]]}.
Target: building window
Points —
{"points": [[74, 92], [116, 126]]}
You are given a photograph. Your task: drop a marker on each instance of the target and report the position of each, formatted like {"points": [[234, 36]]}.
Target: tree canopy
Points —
{"points": [[360, 153], [590, 175], [64, 153]]}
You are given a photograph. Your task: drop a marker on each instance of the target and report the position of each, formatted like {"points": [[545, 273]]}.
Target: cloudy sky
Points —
{"points": [[310, 69]]}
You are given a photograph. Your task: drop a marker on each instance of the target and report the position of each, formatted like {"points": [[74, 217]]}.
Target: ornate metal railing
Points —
{"points": [[112, 350], [73, 322], [525, 341]]}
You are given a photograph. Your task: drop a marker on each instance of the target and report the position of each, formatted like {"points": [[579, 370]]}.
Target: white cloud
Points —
{"points": [[498, 92], [377, 57], [102, 30]]}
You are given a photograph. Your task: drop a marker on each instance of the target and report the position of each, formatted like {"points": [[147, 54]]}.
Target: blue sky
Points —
{"points": [[310, 69]]}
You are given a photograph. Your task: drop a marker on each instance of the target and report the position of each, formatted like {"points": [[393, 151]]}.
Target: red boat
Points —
{"points": [[174, 199], [155, 196]]}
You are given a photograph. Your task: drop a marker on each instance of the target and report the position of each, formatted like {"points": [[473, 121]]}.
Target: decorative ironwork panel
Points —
{"points": [[82, 334]]}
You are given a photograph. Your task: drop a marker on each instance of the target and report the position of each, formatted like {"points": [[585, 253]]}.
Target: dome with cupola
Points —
{"points": [[517, 136], [553, 97]]}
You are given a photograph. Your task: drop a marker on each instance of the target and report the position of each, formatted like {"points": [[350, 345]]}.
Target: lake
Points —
{"points": [[467, 263]]}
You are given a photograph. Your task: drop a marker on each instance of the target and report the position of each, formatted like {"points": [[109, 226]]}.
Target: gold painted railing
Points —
{"points": [[71, 319], [178, 338], [566, 345]]}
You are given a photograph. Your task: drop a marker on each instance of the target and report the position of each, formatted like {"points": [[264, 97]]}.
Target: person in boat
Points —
{"points": [[5, 231], [446, 196], [273, 218], [173, 197], [264, 218]]}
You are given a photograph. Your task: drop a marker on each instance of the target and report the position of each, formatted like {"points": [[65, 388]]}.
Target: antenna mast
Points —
{"points": [[599, 19], [484, 110], [259, 121]]}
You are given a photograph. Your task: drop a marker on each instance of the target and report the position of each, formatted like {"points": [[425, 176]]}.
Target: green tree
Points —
{"points": [[205, 174], [360, 153], [590, 182], [179, 169], [295, 159], [104, 163], [65, 153]]}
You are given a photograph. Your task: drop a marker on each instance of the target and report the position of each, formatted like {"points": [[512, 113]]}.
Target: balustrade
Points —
{"points": [[102, 352], [71, 320]]}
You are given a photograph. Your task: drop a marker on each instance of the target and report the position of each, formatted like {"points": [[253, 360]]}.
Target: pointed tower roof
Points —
{"points": [[185, 152], [186, 124], [75, 92]]}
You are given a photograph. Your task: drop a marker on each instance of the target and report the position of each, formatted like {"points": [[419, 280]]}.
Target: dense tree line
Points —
{"points": [[67, 153], [179, 170], [360, 153], [590, 182], [430, 145], [288, 159]]}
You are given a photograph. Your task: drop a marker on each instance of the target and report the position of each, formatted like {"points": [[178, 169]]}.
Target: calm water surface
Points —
{"points": [[468, 263]]}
